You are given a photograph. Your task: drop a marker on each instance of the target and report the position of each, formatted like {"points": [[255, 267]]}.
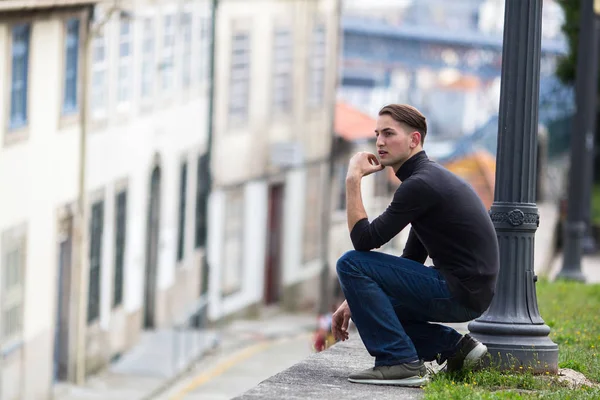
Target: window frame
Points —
{"points": [[181, 212], [200, 216], [125, 62], [203, 48], [317, 64], [68, 109], [120, 249], [233, 254], [168, 54], [282, 99], [148, 59], [13, 240], [94, 309], [186, 49], [103, 67], [16, 131], [238, 102]]}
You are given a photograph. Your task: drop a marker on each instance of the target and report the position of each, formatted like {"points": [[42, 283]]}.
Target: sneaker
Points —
{"points": [[410, 374], [469, 354]]}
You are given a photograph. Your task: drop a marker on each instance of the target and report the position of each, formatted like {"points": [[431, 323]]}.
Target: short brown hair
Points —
{"points": [[407, 115]]}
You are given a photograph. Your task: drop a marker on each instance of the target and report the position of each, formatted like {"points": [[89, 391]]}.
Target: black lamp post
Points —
{"points": [[582, 145], [512, 327]]}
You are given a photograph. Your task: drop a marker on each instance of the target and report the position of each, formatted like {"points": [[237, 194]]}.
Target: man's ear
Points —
{"points": [[415, 139]]}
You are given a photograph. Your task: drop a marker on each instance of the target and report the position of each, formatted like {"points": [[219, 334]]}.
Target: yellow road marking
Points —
{"points": [[237, 358]]}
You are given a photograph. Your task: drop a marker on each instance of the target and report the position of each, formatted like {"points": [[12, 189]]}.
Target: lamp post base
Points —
{"points": [[511, 348], [571, 275]]}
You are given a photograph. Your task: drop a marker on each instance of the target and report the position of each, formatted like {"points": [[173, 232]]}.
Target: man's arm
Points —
{"points": [[413, 198], [355, 209], [360, 165], [414, 249]]}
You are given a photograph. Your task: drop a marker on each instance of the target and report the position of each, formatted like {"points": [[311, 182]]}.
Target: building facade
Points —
{"points": [[40, 131], [148, 91], [104, 156], [130, 78], [275, 87]]}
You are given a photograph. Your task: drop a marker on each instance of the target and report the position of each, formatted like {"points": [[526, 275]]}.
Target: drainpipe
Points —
{"points": [[205, 268], [80, 236], [325, 297]]}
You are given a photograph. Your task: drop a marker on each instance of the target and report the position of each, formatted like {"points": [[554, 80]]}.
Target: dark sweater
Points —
{"points": [[449, 223]]}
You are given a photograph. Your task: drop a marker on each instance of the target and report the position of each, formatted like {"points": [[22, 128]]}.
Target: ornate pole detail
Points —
{"points": [[512, 327]]}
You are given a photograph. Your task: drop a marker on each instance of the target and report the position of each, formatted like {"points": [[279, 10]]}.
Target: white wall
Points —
{"points": [[294, 211], [39, 174], [254, 243], [174, 130], [244, 146]]}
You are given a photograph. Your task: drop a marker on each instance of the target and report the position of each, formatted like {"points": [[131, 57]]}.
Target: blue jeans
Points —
{"points": [[392, 300]]}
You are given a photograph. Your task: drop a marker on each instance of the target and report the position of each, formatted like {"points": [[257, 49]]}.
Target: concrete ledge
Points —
{"points": [[325, 376]]}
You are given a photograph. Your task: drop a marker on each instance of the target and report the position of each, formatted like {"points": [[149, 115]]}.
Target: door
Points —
{"points": [[274, 242], [61, 328], [152, 244]]}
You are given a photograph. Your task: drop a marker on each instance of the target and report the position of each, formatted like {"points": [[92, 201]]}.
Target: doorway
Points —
{"points": [[152, 244], [274, 242]]}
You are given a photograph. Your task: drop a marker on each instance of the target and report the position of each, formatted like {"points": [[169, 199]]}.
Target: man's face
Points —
{"points": [[395, 142]]}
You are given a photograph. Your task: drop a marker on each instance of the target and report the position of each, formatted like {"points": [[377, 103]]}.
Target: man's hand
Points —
{"points": [[363, 164], [339, 322]]}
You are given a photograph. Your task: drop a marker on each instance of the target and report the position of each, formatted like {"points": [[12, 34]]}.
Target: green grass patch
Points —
{"points": [[572, 310]]}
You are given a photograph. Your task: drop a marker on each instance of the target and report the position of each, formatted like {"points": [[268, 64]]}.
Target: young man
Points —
{"points": [[393, 299]]}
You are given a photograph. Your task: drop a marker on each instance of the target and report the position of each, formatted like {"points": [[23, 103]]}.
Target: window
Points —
{"points": [[317, 67], [201, 199], [12, 289], [97, 225], [20, 73], [168, 56], [181, 228], [204, 49], [148, 60], [282, 70], [125, 57], [99, 101], [312, 218], [120, 235], [186, 67], [71, 66], [239, 80], [231, 281]]}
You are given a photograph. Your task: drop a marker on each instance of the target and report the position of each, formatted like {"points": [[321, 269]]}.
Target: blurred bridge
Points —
{"points": [[373, 48]]}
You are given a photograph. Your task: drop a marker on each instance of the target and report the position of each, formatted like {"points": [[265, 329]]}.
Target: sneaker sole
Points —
{"points": [[475, 356], [407, 382]]}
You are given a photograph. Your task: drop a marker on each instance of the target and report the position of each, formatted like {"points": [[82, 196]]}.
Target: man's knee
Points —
{"points": [[344, 263]]}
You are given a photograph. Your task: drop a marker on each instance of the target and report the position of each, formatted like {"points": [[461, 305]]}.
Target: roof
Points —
{"points": [[352, 124], [463, 83], [16, 5], [479, 170]]}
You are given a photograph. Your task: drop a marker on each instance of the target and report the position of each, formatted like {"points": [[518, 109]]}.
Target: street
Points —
{"points": [[232, 369]]}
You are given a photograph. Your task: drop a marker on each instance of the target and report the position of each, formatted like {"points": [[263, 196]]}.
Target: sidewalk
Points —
{"points": [[159, 357], [590, 266], [250, 352], [545, 237], [163, 358]]}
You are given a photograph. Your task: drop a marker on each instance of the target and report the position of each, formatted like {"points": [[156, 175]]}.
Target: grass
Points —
{"points": [[572, 310]]}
